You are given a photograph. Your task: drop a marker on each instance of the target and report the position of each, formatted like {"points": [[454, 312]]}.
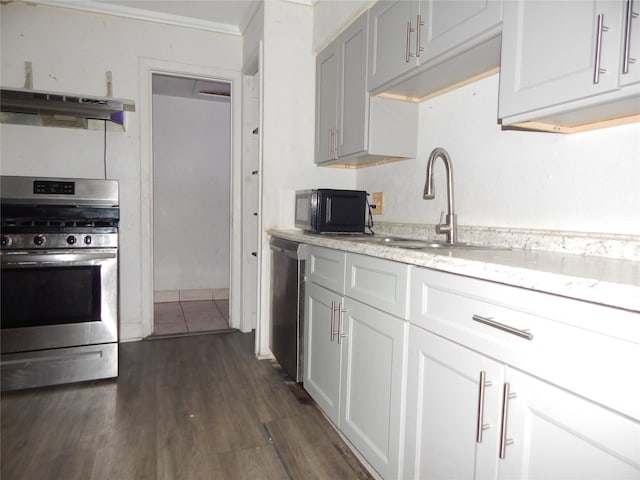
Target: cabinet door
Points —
{"points": [[630, 69], [556, 434], [445, 408], [391, 40], [353, 97], [322, 354], [449, 25], [326, 103], [373, 384], [549, 52]]}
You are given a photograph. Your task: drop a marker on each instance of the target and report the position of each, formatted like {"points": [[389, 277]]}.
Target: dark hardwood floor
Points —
{"points": [[190, 408]]}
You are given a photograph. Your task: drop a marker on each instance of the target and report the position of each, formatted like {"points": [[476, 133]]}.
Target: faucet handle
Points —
{"points": [[441, 227], [446, 225]]}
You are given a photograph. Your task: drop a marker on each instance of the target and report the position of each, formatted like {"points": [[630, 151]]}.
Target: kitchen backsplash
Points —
{"points": [[624, 247]]}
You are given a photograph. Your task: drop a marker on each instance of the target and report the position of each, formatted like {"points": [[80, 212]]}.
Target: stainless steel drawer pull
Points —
{"points": [[501, 326], [481, 426]]}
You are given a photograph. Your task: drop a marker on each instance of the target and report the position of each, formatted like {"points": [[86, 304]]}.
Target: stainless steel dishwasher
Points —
{"points": [[287, 305]]}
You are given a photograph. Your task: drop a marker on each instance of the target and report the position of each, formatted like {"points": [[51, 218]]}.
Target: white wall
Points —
{"points": [[252, 36], [288, 137], [587, 182], [191, 191], [71, 51]]}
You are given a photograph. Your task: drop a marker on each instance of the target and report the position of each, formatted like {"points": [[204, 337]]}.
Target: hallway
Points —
{"points": [[187, 408], [175, 318]]}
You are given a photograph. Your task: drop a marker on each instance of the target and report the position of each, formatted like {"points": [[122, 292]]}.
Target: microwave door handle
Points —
{"points": [[328, 210]]}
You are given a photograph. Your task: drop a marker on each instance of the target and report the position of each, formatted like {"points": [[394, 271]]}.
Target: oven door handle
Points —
{"points": [[53, 257]]}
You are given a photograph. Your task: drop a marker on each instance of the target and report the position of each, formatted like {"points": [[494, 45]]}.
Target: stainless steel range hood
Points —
{"points": [[28, 101]]}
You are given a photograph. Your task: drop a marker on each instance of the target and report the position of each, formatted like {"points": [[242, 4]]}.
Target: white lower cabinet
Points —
{"points": [[484, 381], [471, 417], [372, 383], [323, 355], [446, 413], [506, 383], [355, 355], [553, 433]]}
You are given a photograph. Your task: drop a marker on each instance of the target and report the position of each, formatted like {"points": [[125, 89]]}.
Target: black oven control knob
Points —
{"points": [[39, 240], [5, 241], [71, 240], [88, 240]]}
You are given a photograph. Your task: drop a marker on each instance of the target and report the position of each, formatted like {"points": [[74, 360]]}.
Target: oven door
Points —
{"points": [[58, 298]]}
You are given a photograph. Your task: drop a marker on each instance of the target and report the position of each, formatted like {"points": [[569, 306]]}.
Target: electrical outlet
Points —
{"points": [[377, 203]]}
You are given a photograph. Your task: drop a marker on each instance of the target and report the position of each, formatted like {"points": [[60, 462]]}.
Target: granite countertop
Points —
{"points": [[607, 281]]}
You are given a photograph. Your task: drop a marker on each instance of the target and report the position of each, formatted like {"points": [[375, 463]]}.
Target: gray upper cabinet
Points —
{"points": [[569, 63], [353, 99], [407, 39], [326, 104], [342, 101], [351, 127], [629, 72], [392, 41]]}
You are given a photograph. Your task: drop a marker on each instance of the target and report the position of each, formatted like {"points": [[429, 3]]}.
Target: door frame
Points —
{"points": [[148, 67]]}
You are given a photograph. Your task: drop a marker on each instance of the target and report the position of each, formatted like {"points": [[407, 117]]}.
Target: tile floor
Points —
{"points": [[173, 318]]}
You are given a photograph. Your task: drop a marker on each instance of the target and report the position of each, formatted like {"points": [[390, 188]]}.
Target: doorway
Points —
{"points": [[191, 122]]}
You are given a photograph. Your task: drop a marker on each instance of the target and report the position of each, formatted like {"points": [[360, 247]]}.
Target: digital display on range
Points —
{"points": [[53, 187]]}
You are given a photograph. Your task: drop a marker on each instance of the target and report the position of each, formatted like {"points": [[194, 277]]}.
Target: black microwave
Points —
{"points": [[325, 210]]}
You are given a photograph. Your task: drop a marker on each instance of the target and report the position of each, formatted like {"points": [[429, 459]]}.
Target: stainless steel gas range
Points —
{"points": [[59, 280]]}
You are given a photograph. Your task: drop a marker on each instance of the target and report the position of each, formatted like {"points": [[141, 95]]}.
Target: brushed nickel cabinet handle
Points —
{"points": [[406, 49], [419, 23], [501, 326], [408, 53], [332, 329], [331, 135], [336, 132], [504, 441], [596, 67], [629, 15], [340, 333], [481, 426]]}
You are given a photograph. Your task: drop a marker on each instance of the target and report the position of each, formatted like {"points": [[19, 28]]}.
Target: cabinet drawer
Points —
{"points": [[383, 284], [586, 348], [325, 267]]}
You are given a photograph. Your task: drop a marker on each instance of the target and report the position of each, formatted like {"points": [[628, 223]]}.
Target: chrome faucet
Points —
{"points": [[450, 225]]}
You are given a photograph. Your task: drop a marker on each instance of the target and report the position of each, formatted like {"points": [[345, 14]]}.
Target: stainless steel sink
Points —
{"points": [[418, 244]]}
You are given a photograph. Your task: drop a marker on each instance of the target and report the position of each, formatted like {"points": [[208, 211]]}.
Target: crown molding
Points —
{"points": [[146, 15]]}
